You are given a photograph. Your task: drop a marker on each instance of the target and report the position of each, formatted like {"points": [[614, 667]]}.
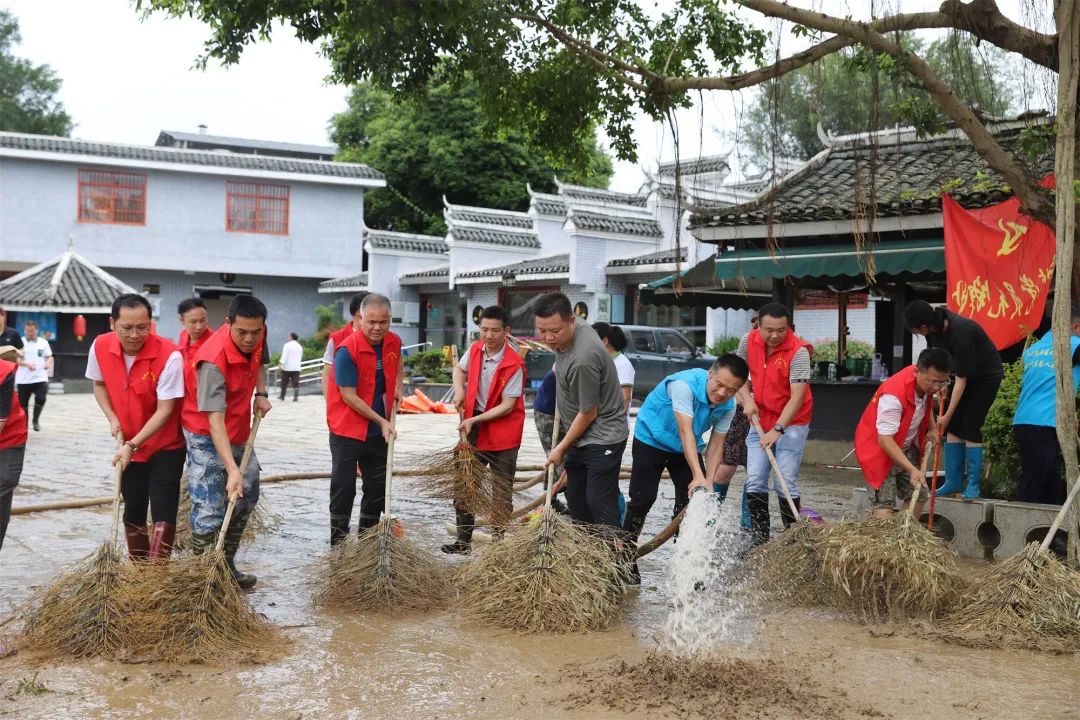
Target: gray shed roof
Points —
{"points": [[351, 283], [486, 216], [185, 158], [433, 274], [496, 236], [547, 204], [653, 258], [69, 283], [553, 265], [621, 224], [408, 242], [177, 138]]}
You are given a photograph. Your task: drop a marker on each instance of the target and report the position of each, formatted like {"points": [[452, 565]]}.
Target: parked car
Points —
{"points": [[655, 353]]}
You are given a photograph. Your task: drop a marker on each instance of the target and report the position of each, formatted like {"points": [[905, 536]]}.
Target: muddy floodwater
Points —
{"points": [[796, 663]]}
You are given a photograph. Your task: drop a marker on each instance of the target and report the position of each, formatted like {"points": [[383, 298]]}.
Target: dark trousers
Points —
{"points": [[39, 391], [592, 483], [290, 377], [346, 454], [1041, 465], [155, 482], [649, 465], [11, 466], [503, 464]]}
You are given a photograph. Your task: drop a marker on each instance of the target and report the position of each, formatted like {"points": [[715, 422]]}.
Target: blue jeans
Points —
{"points": [[206, 485], [788, 451]]}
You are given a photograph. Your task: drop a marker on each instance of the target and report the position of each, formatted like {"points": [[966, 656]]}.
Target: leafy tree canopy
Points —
{"points": [[442, 142], [28, 101]]}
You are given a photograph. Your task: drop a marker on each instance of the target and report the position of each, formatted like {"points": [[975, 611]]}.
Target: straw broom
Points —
{"points": [[82, 613], [1031, 600], [459, 474], [191, 610], [379, 569], [550, 576], [261, 521]]}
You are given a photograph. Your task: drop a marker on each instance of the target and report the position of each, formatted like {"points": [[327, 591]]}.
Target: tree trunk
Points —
{"points": [[1068, 26]]}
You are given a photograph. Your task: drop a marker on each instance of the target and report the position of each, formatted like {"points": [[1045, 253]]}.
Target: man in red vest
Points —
{"points": [[195, 330], [892, 432], [229, 369], [778, 394], [367, 371], [12, 435], [488, 385], [139, 386], [335, 341]]}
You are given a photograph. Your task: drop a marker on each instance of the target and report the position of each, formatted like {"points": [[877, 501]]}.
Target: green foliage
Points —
{"points": [[432, 364], [837, 92], [825, 350], [442, 143], [28, 101], [724, 345], [1002, 452], [328, 317]]}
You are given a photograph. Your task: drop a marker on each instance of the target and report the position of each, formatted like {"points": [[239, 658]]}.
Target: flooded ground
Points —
{"points": [[797, 665]]}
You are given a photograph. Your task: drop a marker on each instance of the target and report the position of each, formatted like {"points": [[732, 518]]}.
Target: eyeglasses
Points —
{"points": [[938, 383], [133, 330]]}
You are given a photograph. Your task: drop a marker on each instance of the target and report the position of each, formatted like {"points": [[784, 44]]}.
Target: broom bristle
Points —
{"points": [[380, 572], [82, 613], [891, 568], [550, 576], [262, 520], [788, 567], [459, 474], [1029, 601]]}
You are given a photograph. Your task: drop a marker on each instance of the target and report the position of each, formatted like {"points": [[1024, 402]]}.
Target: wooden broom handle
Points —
{"points": [[1060, 517], [918, 491], [663, 536], [776, 469], [551, 468], [387, 493], [116, 490], [245, 460]]}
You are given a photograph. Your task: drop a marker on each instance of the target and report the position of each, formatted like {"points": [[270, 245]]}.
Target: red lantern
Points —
{"points": [[79, 327]]}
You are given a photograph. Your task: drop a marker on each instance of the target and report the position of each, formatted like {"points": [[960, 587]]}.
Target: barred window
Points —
{"points": [[112, 197], [256, 208]]}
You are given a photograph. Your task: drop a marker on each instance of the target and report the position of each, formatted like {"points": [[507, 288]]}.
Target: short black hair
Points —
{"points": [[131, 300], [494, 312], [614, 334], [190, 304], [1076, 312], [247, 306], [294, 336], [554, 303], [775, 310], [919, 313], [935, 358], [354, 302], [733, 364]]}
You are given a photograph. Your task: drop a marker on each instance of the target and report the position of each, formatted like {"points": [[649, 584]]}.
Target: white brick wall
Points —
{"points": [[814, 325], [483, 295]]}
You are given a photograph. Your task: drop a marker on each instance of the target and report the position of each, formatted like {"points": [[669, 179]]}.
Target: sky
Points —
{"points": [[126, 79]]}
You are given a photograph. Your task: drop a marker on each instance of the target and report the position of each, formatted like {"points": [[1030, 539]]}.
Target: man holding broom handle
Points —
{"points": [[229, 369], [368, 368], [892, 432], [336, 340], [488, 382], [139, 385]]}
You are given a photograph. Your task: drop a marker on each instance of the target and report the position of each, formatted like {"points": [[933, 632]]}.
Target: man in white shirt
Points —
{"points": [[32, 377], [291, 356]]}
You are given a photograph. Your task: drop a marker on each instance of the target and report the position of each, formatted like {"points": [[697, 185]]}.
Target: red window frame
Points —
{"points": [[111, 198], [254, 207]]}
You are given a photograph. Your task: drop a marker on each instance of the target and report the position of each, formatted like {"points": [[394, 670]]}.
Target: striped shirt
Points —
{"points": [[801, 370]]}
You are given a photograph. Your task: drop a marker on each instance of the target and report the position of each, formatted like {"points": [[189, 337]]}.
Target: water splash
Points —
{"points": [[709, 607]]}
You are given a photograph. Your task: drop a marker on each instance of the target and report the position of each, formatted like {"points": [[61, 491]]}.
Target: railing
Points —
{"points": [[310, 372]]}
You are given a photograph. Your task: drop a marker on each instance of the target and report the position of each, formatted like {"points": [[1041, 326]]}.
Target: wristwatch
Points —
{"points": [[779, 428], [132, 445], [265, 395]]}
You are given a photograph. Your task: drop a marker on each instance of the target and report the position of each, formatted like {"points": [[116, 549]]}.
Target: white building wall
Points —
{"points": [[816, 325], [553, 239], [726, 322], [482, 295], [466, 259]]}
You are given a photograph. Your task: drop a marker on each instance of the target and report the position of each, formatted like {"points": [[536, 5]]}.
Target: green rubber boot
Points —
{"points": [[245, 580]]}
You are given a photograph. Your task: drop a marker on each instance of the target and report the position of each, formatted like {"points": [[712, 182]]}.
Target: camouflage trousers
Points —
{"points": [[206, 485]]}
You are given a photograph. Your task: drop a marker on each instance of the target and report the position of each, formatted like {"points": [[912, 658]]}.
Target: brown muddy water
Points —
{"points": [[800, 664]]}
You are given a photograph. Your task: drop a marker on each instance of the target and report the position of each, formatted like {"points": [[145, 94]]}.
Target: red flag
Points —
{"points": [[998, 267]]}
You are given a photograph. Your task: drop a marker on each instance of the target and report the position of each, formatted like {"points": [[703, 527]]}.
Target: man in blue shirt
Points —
{"points": [[1035, 422]]}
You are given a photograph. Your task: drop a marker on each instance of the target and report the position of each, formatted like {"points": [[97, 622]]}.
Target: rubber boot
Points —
{"points": [[622, 508], [758, 509], [232, 544], [785, 511], [463, 544], [955, 456], [721, 491], [339, 530], [202, 543], [296, 395], [974, 472], [161, 541], [744, 521], [632, 524], [138, 542], [37, 415], [365, 522]]}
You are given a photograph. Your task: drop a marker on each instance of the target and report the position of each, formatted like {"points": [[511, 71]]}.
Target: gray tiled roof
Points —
{"points": [[537, 266], [485, 216], [580, 192], [654, 258], [623, 225], [345, 282], [496, 236], [81, 285], [387, 240], [168, 137], [545, 204], [238, 161], [443, 271], [697, 165], [910, 177]]}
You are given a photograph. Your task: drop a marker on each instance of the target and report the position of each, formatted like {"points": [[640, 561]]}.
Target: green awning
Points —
{"points": [[897, 258]]}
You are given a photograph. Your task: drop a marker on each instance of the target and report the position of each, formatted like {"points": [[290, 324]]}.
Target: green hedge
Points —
{"points": [[431, 364], [724, 345], [999, 444], [825, 350]]}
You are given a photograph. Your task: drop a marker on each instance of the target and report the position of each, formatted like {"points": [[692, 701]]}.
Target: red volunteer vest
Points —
{"points": [[133, 393], [188, 350], [875, 463], [502, 433], [240, 376], [770, 379], [344, 420], [14, 432], [334, 403]]}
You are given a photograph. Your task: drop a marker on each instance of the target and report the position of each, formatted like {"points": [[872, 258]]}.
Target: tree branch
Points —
{"points": [[984, 20]]}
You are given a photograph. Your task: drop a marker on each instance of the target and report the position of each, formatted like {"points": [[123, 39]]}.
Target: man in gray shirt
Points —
{"points": [[591, 411]]}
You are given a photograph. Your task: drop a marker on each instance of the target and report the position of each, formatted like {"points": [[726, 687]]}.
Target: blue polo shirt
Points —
{"points": [[346, 375], [1038, 396]]}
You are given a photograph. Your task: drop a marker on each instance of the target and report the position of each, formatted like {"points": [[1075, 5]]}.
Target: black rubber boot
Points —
{"points": [[463, 544], [365, 522], [339, 530], [232, 544], [758, 506], [632, 524], [785, 512]]}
